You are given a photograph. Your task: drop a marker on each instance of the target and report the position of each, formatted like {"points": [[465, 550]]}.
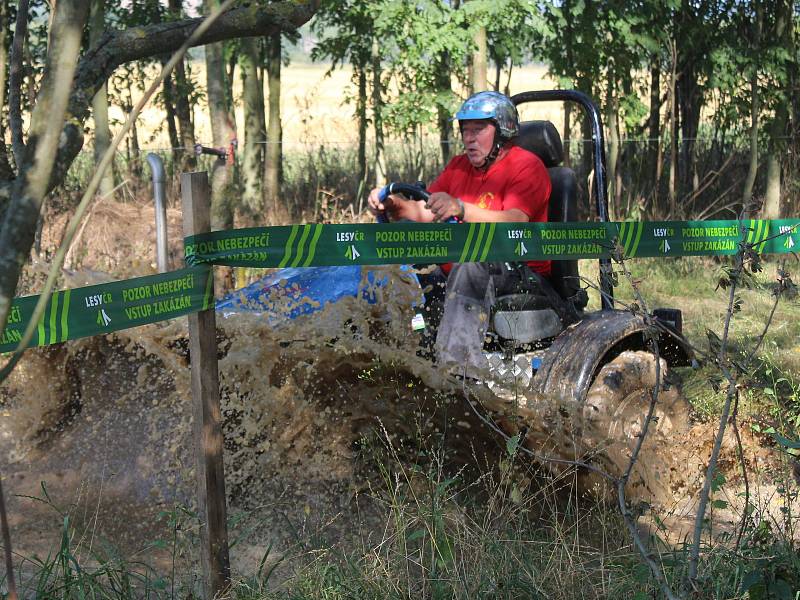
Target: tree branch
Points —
{"points": [[15, 83], [30, 186], [656, 570], [732, 393], [116, 48]]}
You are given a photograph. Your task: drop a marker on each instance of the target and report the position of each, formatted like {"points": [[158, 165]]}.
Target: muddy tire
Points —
{"points": [[614, 415]]}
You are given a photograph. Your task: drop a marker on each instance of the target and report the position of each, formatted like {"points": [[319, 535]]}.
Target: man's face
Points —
{"points": [[478, 138]]}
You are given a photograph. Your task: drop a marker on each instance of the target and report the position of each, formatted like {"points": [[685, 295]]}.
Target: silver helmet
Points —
{"points": [[495, 107]]}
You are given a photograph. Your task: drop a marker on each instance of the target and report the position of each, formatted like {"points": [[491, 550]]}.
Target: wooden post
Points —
{"points": [[206, 406]]}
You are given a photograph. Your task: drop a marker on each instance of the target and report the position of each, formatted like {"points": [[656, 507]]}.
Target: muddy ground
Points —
{"points": [[100, 429]]}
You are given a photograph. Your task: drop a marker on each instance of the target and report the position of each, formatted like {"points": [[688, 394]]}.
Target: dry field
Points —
{"points": [[315, 109]]}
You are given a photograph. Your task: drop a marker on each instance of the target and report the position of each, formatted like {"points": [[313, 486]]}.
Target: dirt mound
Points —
{"points": [[117, 240]]}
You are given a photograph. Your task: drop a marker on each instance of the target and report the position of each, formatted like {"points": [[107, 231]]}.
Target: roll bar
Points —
{"points": [[599, 156]]}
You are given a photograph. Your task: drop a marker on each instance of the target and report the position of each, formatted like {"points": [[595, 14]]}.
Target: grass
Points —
{"points": [[690, 284], [71, 571], [499, 529]]}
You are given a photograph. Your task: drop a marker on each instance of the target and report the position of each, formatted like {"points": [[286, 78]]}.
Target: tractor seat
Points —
{"points": [[526, 318]]}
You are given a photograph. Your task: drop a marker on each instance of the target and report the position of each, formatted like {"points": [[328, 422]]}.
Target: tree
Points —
{"points": [[425, 45], [185, 97], [223, 131], [514, 30], [780, 59], [272, 164], [102, 132], [69, 83], [353, 40], [698, 29], [5, 17], [252, 154]]}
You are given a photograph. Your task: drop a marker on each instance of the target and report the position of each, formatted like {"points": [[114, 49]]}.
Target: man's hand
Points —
{"points": [[374, 204], [394, 207], [444, 206]]}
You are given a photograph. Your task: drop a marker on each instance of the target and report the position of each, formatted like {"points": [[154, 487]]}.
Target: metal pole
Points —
{"points": [[159, 195]]}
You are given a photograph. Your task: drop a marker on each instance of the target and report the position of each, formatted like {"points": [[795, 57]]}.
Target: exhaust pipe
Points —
{"points": [[159, 195]]}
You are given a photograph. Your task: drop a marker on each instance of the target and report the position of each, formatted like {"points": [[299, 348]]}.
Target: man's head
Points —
{"points": [[487, 121]]}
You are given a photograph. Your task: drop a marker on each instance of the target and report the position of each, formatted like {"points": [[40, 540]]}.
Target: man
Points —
{"points": [[493, 181]]}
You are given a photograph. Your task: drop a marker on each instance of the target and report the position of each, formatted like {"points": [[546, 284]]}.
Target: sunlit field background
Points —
{"points": [[314, 109]]}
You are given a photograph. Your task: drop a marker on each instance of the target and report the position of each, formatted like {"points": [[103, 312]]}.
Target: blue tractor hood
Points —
{"points": [[292, 292]]}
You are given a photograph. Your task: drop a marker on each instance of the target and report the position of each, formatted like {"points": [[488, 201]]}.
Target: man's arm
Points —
{"points": [[443, 206], [398, 208]]}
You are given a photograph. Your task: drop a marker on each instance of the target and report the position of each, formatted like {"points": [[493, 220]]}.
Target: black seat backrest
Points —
{"points": [[542, 138]]}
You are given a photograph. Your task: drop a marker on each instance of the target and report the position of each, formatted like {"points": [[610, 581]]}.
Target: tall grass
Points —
{"points": [[505, 533], [497, 529], [70, 571]]}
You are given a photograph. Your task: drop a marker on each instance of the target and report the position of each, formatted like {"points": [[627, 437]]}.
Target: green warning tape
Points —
{"points": [[98, 309], [397, 243]]}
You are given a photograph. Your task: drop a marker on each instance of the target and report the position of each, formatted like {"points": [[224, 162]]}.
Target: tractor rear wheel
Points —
{"points": [[614, 416]]}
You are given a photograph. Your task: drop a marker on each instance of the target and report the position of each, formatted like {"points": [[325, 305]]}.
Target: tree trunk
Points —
{"points": [[612, 151], [183, 112], [223, 131], [566, 134], [6, 172], [790, 98], [134, 152], [168, 89], [689, 102], [377, 120], [784, 37], [253, 150], [567, 12], [587, 162], [276, 207], [361, 115], [15, 78], [443, 87], [673, 134], [102, 132], [183, 109], [230, 72], [39, 157], [479, 54], [752, 168], [773, 208], [653, 162], [4, 16]]}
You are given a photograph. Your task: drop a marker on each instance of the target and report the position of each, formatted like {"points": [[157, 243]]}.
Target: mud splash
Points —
{"points": [[100, 429]]}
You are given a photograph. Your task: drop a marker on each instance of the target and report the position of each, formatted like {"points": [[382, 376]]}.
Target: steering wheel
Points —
{"points": [[415, 191]]}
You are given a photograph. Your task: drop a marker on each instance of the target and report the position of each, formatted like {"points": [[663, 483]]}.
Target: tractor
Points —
{"points": [[575, 394]]}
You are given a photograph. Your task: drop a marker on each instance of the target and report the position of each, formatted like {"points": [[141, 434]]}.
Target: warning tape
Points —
{"points": [[108, 307], [398, 243], [104, 308]]}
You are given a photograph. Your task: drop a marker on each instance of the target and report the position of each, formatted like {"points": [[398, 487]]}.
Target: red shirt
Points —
{"points": [[518, 180]]}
